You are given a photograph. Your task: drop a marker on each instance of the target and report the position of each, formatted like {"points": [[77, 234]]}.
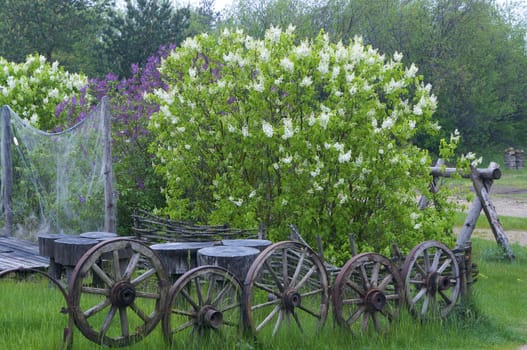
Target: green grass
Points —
{"points": [[494, 319], [512, 223]]}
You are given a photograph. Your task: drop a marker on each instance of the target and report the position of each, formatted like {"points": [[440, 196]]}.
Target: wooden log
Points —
{"points": [[493, 172], [520, 159], [100, 236], [110, 224], [46, 243], [259, 244], [46, 247], [490, 212], [179, 257], [236, 260], [509, 158], [69, 250], [7, 171]]}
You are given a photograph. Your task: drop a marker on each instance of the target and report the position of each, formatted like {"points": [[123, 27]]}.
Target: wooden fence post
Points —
{"points": [[109, 216], [7, 171], [434, 185], [490, 211]]}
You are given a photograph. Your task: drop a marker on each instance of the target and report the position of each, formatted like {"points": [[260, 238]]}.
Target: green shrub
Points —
{"points": [[315, 134], [35, 87]]}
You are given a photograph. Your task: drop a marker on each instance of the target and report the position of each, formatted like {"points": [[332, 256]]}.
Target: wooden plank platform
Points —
{"points": [[18, 253]]}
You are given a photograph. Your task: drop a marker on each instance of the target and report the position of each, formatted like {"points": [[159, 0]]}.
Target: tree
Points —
{"points": [[471, 51], [255, 17], [60, 30], [203, 18], [135, 33]]}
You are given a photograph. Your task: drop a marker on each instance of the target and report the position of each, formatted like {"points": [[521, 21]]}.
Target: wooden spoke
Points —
{"points": [[124, 322], [306, 277], [375, 275], [269, 317], [132, 264], [298, 268], [297, 321], [108, 320], [139, 312], [268, 303], [145, 276], [95, 309], [103, 275], [195, 305], [212, 283], [285, 275], [419, 295], [312, 313], [356, 315], [443, 267], [97, 291], [279, 283], [278, 321], [116, 266]]}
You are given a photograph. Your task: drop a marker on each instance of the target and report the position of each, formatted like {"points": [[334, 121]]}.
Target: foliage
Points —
{"points": [[33, 89], [136, 33], [60, 30], [316, 134]]}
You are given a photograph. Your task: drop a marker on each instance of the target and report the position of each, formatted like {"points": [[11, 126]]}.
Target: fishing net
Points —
{"points": [[58, 179]]}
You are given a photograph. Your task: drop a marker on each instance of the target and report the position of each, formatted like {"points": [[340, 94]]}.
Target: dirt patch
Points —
{"points": [[508, 201], [508, 206]]}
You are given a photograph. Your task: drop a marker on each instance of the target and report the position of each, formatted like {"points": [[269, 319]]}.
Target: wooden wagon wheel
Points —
{"points": [[205, 300], [287, 283], [432, 280], [118, 292], [368, 292], [68, 331]]}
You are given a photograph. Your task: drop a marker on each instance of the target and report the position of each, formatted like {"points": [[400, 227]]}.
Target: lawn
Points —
{"points": [[493, 319]]}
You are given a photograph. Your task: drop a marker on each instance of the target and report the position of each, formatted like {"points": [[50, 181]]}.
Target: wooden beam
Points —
{"points": [[7, 171], [473, 214], [110, 224], [490, 211], [491, 173]]}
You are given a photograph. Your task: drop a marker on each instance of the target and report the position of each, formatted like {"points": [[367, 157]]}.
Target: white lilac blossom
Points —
{"points": [[287, 64], [288, 129], [267, 129], [306, 81]]}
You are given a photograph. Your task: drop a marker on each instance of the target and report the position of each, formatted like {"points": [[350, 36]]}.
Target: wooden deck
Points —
{"points": [[17, 253]]}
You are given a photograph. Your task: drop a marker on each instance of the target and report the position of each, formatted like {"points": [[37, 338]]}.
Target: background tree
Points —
{"points": [[60, 30], [136, 32], [471, 51]]}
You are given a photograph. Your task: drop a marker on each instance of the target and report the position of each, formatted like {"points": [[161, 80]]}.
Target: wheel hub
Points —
{"points": [[122, 294], [292, 299], [208, 316], [436, 282], [375, 300]]}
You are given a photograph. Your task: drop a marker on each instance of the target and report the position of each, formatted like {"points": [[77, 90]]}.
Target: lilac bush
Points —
{"points": [[137, 185]]}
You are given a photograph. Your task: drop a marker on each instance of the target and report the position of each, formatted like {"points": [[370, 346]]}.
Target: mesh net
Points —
{"points": [[58, 180]]}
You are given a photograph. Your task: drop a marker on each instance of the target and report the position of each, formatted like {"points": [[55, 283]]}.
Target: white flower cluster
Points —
{"points": [[34, 88]]}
